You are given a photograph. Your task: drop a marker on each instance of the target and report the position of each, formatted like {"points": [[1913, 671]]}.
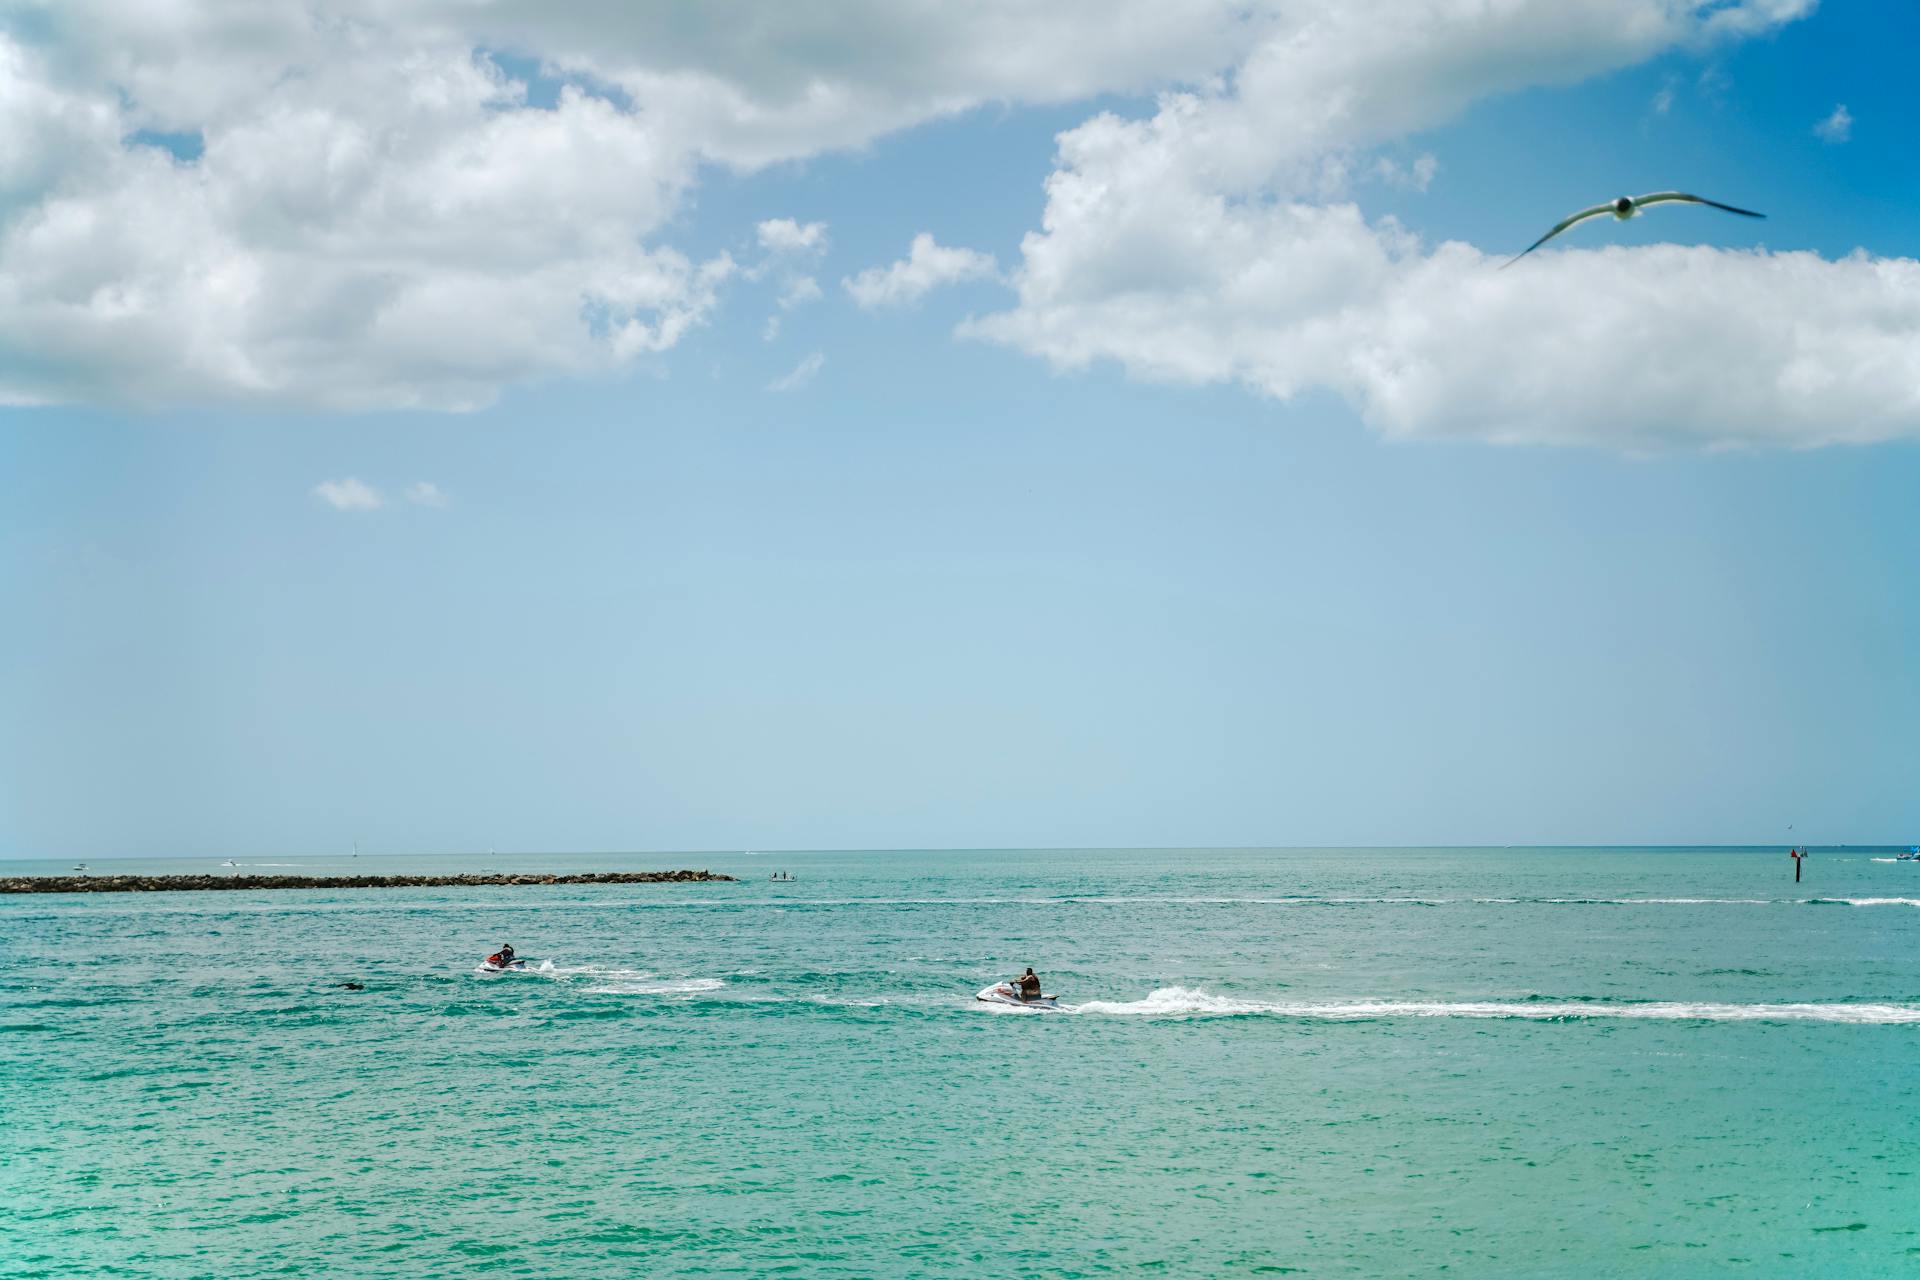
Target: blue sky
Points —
{"points": [[1122, 545]]}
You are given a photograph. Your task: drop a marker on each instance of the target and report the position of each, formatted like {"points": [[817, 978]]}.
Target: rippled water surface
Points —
{"points": [[1336, 1063]]}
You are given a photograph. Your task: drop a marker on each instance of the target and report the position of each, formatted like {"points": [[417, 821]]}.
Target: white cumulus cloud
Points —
{"points": [[784, 235], [800, 375], [350, 494], [361, 208], [373, 226], [1212, 241], [364, 209], [425, 493], [927, 266]]}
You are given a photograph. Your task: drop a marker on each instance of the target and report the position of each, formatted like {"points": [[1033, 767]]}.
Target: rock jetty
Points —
{"points": [[174, 884]]}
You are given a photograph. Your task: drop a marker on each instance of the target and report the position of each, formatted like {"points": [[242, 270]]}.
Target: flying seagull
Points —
{"points": [[1623, 208]]}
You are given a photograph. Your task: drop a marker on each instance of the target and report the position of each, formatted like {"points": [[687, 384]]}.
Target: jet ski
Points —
{"points": [[1006, 993], [493, 964]]}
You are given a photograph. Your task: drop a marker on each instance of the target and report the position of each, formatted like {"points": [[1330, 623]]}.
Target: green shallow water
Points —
{"points": [[1338, 1063]]}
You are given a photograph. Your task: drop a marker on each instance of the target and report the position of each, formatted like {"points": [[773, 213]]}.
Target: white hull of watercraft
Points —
{"points": [[487, 966], [1003, 993]]}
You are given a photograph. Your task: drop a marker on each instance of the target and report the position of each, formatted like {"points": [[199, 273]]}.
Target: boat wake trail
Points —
{"points": [[655, 986], [606, 980], [1187, 1002]]}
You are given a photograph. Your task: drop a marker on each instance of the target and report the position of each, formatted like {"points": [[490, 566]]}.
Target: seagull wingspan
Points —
{"points": [[1560, 226], [1658, 197]]}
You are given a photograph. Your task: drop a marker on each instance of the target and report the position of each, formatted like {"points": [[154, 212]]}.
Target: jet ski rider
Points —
{"points": [[1029, 985], [503, 957]]}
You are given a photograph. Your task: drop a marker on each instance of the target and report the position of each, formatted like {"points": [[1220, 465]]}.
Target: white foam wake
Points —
{"points": [[1874, 902], [1187, 1002], [659, 987], [610, 981], [1690, 902]]}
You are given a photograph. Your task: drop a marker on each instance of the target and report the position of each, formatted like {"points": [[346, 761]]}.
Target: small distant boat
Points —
{"points": [[1911, 855], [781, 877], [229, 863], [79, 866]]}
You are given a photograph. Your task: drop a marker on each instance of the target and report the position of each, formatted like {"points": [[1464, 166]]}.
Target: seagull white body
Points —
{"points": [[1624, 207]]}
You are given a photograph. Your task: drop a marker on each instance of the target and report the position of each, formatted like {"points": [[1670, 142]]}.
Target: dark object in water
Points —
{"points": [[350, 986], [161, 884]]}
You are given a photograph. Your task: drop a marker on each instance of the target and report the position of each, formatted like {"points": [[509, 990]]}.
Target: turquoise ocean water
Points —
{"points": [[1331, 1063]]}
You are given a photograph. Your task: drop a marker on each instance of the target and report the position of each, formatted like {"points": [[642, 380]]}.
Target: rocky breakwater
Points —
{"points": [[174, 884]]}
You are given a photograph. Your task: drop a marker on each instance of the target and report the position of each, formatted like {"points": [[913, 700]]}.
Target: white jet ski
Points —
{"points": [[1006, 993], [488, 966]]}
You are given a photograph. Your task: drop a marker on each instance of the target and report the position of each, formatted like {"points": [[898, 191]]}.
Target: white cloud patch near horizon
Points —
{"points": [[1837, 127], [800, 375], [349, 494], [425, 493], [927, 266]]}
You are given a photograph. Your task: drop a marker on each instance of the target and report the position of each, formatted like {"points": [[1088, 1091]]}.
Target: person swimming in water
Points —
{"points": [[1029, 985]]}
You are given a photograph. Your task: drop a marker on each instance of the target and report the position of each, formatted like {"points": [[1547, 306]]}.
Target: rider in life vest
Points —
{"points": [[503, 957]]}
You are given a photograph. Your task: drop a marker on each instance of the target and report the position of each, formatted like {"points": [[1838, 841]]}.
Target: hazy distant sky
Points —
{"points": [[900, 424]]}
